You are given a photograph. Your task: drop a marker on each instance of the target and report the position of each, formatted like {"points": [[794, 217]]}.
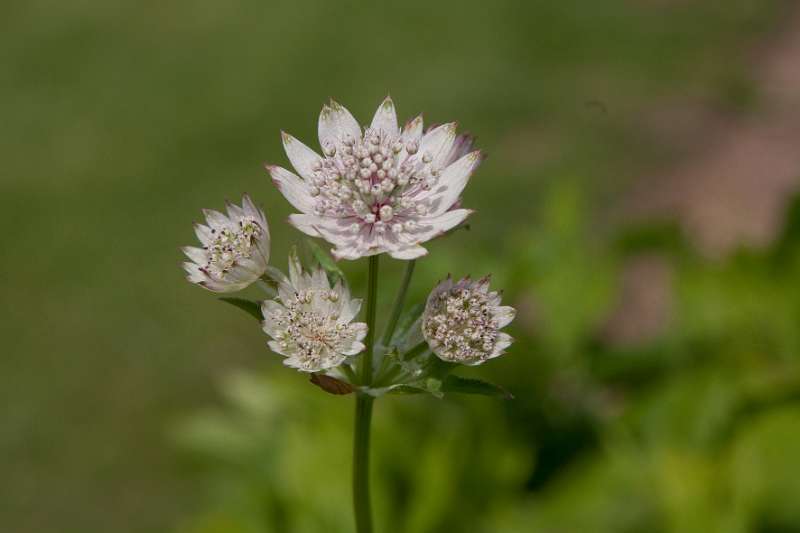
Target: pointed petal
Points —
{"points": [[306, 223], [452, 182], [412, 131], [203, 233], [504, 315], [335, 124], [409, 252], [198, 255], [292, 188], [216, 220], [385, 118], [502, 342], [438, 143], [432, 227], [301, 156]]}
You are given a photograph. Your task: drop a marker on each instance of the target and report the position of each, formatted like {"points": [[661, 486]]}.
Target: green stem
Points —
{"points": [[398, 304], [372, 296], [361, 496]]}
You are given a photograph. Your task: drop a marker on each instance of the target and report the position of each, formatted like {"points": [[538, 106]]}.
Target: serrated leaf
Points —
{"points": [[331, 385], [250, 307], [324, 260], [474, 386]]}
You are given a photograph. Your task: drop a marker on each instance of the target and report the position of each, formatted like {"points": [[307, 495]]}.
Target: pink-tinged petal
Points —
{"points": [[307, 224], [409, 252], [437, 142], [452, 182], [335, 124], [412, 131], [302, 157], [461, 147], [385, 118], [292, 188]]}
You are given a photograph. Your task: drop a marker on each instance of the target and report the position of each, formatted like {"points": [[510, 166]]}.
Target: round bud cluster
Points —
{"points": [[461, 322], [374, 179], [231, 244]]}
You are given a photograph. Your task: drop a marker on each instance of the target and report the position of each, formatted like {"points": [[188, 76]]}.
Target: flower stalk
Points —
{"points": [[361, 496]]}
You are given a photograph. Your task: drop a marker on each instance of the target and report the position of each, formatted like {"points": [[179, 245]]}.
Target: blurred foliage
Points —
{"points": [[691, 431]]}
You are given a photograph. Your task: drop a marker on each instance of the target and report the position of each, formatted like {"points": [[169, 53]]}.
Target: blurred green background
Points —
{"points": [[636, 207]]}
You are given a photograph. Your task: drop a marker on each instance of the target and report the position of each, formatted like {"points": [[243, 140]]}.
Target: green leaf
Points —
{"points": [[408, 331], [324, 260], [474, 386], [250, 307]]}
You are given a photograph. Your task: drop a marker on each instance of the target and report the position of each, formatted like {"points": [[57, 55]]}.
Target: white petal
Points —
{"points": [[235, 213], [409, 252], [385, 118], [412, 131], [354, 348], [276, 347], [299, 281], [307, 223], [301, 156], [336, 123], [502, 342], [203, 233], [452, 182], [504, 315], [198, 255], [216, 220], [319, 279], [438, 142], [195, 275], [292, 187], [431, 227], [350, 311]]}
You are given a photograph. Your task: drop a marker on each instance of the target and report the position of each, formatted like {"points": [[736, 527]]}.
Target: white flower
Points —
{"points": [[380, 190], [235, 248], [311, 322], [462, 320]]}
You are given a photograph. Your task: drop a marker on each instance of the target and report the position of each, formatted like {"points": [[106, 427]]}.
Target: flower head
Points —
{"points": [[462, 322], [235, 248], [379, 190], [311, 322]]}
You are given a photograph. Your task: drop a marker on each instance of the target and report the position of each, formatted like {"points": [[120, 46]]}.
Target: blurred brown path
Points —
{"points": [[733, 188]]}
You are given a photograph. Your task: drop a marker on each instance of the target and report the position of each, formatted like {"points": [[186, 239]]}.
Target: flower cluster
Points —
{"points": [[311, 322], [235, 248], [380, 190], [462, 322]]}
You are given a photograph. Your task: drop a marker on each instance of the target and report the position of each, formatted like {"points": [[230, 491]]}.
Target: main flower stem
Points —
{"points": [[361, 497]]}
